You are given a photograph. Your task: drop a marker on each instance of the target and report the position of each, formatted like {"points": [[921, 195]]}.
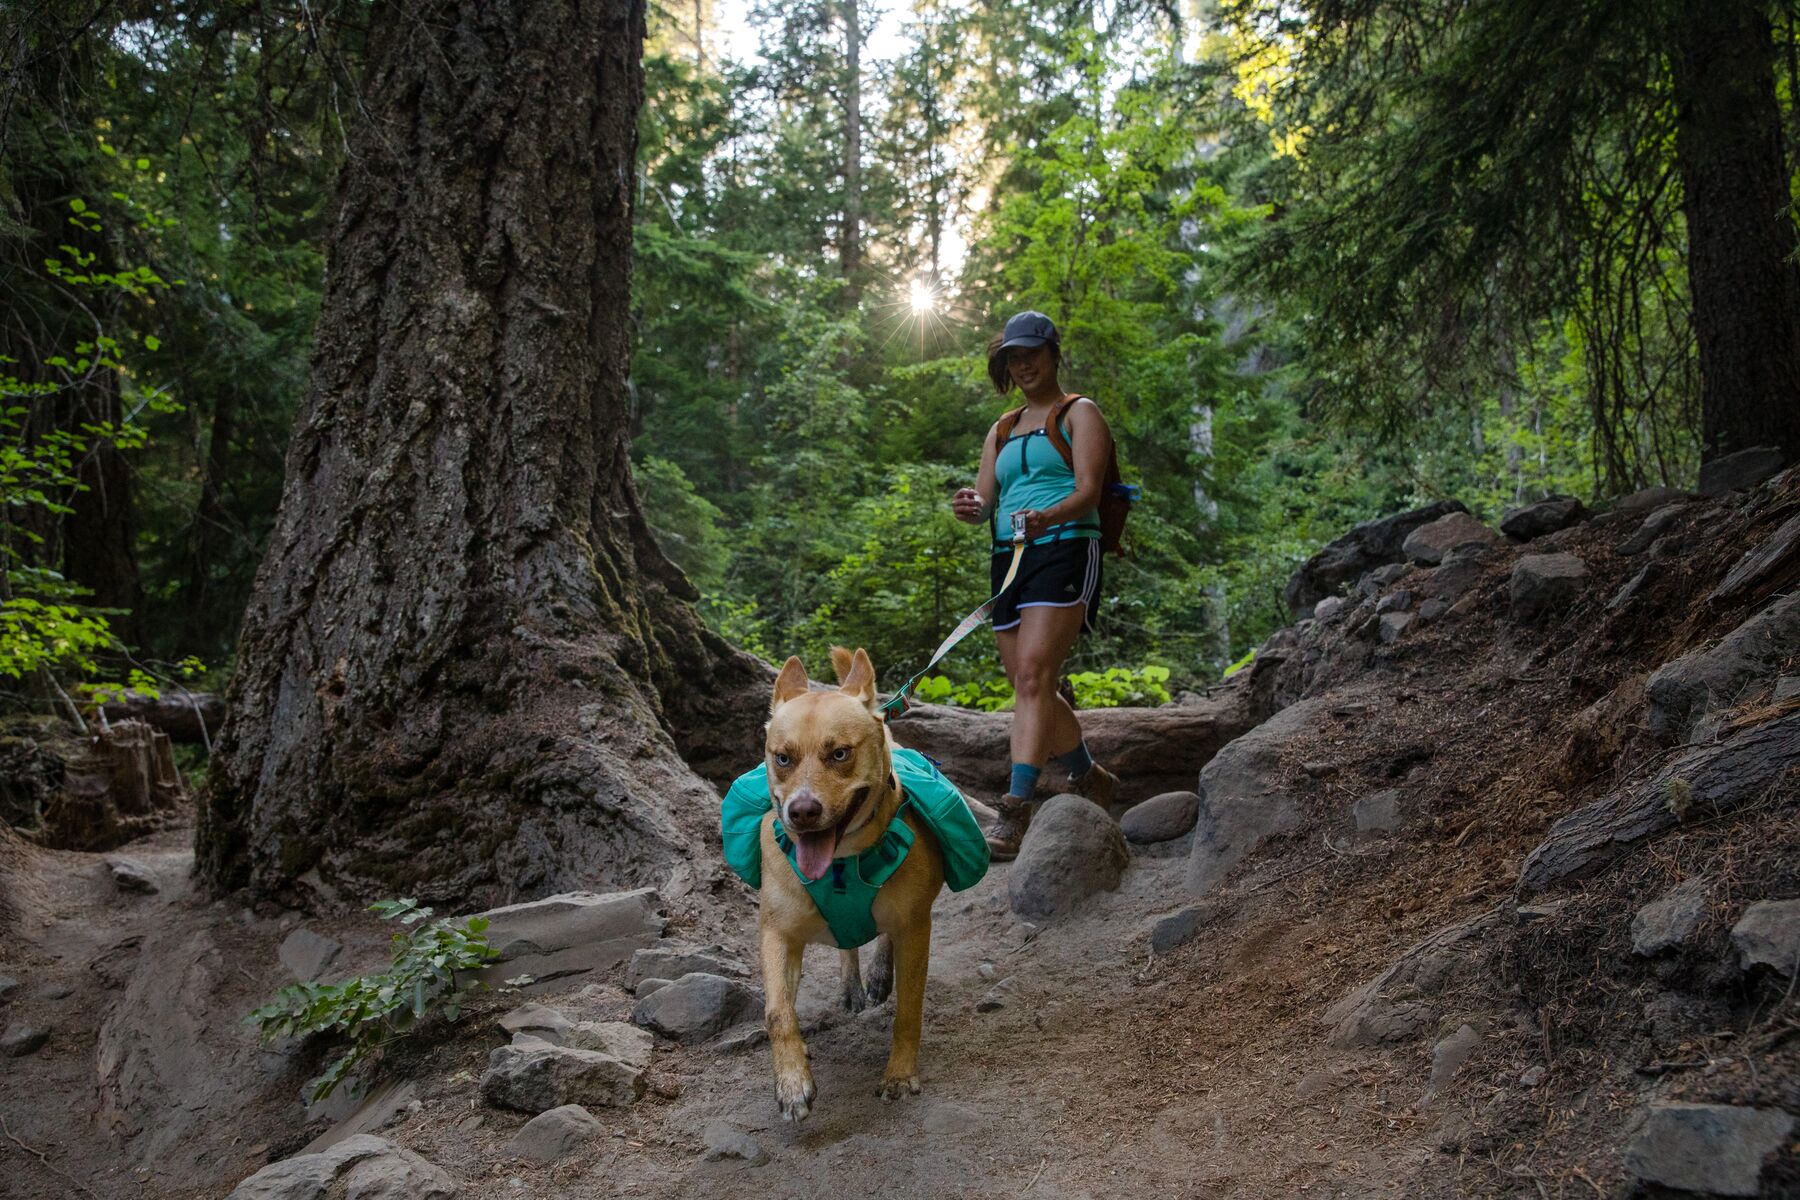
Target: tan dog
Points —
{"points": [[832, 783]]}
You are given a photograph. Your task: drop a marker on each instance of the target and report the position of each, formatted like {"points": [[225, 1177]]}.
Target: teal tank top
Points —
{"points": [[1031, 474], [845, 896]]}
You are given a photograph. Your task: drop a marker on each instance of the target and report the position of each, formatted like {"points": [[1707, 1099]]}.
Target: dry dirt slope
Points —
{"points": [[1230, 1066]]}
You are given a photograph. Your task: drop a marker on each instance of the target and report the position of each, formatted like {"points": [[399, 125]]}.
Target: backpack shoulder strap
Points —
{"points": [[1009, 421], [1053, 429]]}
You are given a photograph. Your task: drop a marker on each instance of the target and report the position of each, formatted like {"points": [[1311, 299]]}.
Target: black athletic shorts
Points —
{"points": [[1054, 575]]}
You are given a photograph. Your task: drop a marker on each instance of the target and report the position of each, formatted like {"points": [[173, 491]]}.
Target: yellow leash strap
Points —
{"points": [[897, 702]]}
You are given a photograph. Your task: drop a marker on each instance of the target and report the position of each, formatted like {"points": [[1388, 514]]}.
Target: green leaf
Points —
{"points": [[151, 342]]}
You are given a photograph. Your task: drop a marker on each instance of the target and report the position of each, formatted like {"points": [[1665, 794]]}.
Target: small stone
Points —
{"points": [[1653, 528], [1740, 471], [1532, 1077], [1161, 818], [1647, 499], [1387, 573], [555, 1135], [1316, 769], [1328, 608], [534, 1076], [1449, 1055], [1547, 516], [1454, 579], [1071, 851], [727, 1141], [1178, 927], [471, 1123], [990, 1000], [20, 1040], [131, 877], [672, 960], [8, 985], [1395, 601], [986, 970], [307, 955], [1768, 935], [538, 1020], [1666, 923], [1636, 586], [1715, 1148], [1786, 688], [1378, 812], [698, 1005], [1393, 626], [1432, 609], [1543, 584], [646, 986], [1431, 544], [622, 1041], [744, 1037]]}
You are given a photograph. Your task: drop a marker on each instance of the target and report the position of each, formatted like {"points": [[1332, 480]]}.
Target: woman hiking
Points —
{"points": [[1024, 476]]}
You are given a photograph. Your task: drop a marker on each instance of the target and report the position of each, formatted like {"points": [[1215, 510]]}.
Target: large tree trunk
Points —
{"points": [[466, 671], [850, 252], [1746, 285]]}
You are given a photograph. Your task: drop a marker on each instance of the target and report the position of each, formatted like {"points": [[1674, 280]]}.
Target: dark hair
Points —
{"points": [[997, 372]]}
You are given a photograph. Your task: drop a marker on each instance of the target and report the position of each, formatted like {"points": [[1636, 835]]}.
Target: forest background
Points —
{"points": [[1316, 262]]}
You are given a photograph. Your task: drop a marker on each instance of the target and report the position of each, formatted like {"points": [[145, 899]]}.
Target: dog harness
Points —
{"points": [[845, 895]]}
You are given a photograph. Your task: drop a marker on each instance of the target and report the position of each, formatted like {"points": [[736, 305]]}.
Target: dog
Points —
{"points": [[834, 790]]}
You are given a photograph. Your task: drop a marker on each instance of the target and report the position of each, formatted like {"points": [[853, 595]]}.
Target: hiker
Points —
{"points": [[1025, 475]]}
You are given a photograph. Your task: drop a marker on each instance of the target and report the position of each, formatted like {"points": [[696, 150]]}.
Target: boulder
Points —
{"points": [[1545, 585], [369, 1167], [555, 1135], [1430, 544], [1369, 545], [20, 1040], [1717, 677], [1713, 1148], [1740, 471], [1240, 801], [540, 1021], [697, 1006], [1547, 516], [1071, 851], [306, 954], [1768, 934], [533, 1076], [571, 933], [1668, 922], [672, 960], [1760, 562], [1378, 812], [1161, 818], [131, 877], [627, 1043]]}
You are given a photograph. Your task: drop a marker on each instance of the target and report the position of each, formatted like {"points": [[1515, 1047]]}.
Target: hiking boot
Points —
{"points": [[1097, 784], [1007, 832]]}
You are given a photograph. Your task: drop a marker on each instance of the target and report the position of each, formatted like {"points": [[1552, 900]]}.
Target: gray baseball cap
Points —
{"points": [[1029, 329]]}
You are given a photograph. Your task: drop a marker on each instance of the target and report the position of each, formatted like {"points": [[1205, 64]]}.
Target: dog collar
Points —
{"points": [[845, 894]]}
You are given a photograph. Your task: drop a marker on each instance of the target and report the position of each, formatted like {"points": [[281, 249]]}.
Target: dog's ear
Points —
{"points": [[859, 681], [789, 684], [841, 662]]}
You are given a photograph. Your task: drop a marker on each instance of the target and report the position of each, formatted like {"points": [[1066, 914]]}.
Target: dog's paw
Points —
{"points": [[896, 1086], [854, 1001], [795, 1096], [880, 982]]}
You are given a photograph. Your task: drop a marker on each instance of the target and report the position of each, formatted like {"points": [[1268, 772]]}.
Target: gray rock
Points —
{"points": [[1370, 544], [1431, 544], [1647, 499], [1656, 526], [1240, 804], [370, 1168], [533, 1076], [1161, 818], [1717, 677], [1760, 562], [698, 1005], [1387, 573], [646, 986], [1179, 927], [1432, 609], [1071, 851], [306, 954], [1378, 812], [1393, 626], [1636, 586], [20, 1040], [539, 1021], [1532, 1077], [1786, 688], [672, 960], [1545, 585], [1668, 922], [385, 1104], [8, 985], [1714, 1148], [727, 1141], [747, 1036], [1396, 1005], [1328, 608], [627, 1043], [131, 877], [1741, 471], [571, 933], [1768, 934], [1551, 515], [1448, 1056], [1398, 600], [1451, 581], [555, 1135]]}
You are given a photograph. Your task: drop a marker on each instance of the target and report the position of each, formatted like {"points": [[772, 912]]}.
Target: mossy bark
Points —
{"points": [[467, 673]]}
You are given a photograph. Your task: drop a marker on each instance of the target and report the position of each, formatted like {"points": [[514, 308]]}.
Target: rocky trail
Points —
{"points": [[1489, 886]]}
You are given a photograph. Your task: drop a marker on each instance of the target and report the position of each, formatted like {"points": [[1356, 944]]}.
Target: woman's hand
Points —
{"points": [[968, 506], [1037, 522]]}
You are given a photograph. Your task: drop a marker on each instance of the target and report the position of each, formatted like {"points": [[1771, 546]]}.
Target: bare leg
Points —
{"points": [[851, 975], [912, 954], [1043, 723], [881, 970], [794, 1090]]}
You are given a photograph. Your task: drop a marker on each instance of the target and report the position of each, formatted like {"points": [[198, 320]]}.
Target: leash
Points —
{"points": [[897, 703]]}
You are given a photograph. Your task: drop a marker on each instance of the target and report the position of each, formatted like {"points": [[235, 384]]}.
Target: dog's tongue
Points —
{"points": [[812, 853]]}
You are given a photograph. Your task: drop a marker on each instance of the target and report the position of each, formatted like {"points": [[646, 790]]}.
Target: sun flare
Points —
{"points": [[922, 296]]}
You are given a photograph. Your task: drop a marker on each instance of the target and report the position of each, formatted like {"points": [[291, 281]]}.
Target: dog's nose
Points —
{"points": [[804, 809]]}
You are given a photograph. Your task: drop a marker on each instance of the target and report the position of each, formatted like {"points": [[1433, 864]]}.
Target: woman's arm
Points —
{"points": [[1091, 440], [974, 505]]}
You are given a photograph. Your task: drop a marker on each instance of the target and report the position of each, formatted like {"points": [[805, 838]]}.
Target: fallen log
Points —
{"points": [[183, 716]]}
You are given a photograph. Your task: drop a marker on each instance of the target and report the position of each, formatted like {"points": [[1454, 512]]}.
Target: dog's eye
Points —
{"points": [[841, 754], [782, 760]]}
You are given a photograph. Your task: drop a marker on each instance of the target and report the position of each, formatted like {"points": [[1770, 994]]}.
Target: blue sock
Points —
{"points": [[1024, 780], [1076, 762]]}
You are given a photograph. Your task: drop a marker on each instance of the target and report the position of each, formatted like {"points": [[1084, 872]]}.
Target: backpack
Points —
{"points": [[1116, 496]]}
